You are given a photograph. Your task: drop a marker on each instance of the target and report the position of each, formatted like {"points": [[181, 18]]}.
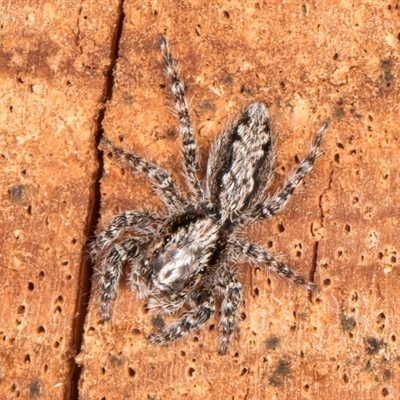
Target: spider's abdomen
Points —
{"points": [[240, 164]]}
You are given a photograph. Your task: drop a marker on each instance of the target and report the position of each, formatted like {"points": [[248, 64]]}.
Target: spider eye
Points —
{"points": [[202, 271], [167, 239]]}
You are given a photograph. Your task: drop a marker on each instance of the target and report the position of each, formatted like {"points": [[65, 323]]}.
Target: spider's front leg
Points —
{"points": [[253, 253], [185, 123], [162, 181], [190, 321]]}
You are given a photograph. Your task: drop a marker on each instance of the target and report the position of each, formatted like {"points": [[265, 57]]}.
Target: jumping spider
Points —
{"points": [[184, 258]]}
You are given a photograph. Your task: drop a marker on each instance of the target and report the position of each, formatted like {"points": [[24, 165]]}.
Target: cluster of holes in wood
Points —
{"points": [[130, 371], [34, 388], [384, 175], [388, 256], [41, 330], [41, 275], [349, 323], [191, 370], [351, 152]]}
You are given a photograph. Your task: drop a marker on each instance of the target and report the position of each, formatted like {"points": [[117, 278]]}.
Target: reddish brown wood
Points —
{"points": [[306, 61], [52, 61]]}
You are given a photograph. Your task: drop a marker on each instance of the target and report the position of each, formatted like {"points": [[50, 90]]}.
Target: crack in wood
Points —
{"points": [[86, 269]]}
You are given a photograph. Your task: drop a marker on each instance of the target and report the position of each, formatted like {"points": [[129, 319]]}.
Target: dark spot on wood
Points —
{"points": [[373, 346], [128, 98], [115, 360], [34, 388], [281, 371], [387, 374], [386, 76], [158, 322], [206, 106], [246, 91], [17, 192], [272, 342], [348, 323], [340, 113]]}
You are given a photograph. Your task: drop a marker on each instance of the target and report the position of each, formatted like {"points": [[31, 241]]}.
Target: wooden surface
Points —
{"points": [[306, 61], [52, 61]]}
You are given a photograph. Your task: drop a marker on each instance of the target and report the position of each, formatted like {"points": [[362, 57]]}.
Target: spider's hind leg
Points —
{"points": [[227, 284], [190, 321]]}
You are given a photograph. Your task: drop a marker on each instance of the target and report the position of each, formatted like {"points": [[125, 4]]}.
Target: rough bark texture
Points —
{"points": [[306, 61], [52, 72]]}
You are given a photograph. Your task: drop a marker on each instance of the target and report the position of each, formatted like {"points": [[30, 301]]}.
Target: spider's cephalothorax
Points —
{"points": [[186, 258]]}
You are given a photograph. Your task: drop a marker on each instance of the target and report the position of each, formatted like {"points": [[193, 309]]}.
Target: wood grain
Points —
{"points": [[306, 61]]}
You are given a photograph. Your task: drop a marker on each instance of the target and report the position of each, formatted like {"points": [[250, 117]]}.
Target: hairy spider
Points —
{"points": [[186, 258]]}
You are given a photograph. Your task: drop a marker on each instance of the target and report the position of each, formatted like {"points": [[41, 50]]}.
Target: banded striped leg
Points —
{"points": [[185, 124], [251, 253], [161, 180], [280, 199], [190, 321], [140, 224], [230, 288], [110, 269]]}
